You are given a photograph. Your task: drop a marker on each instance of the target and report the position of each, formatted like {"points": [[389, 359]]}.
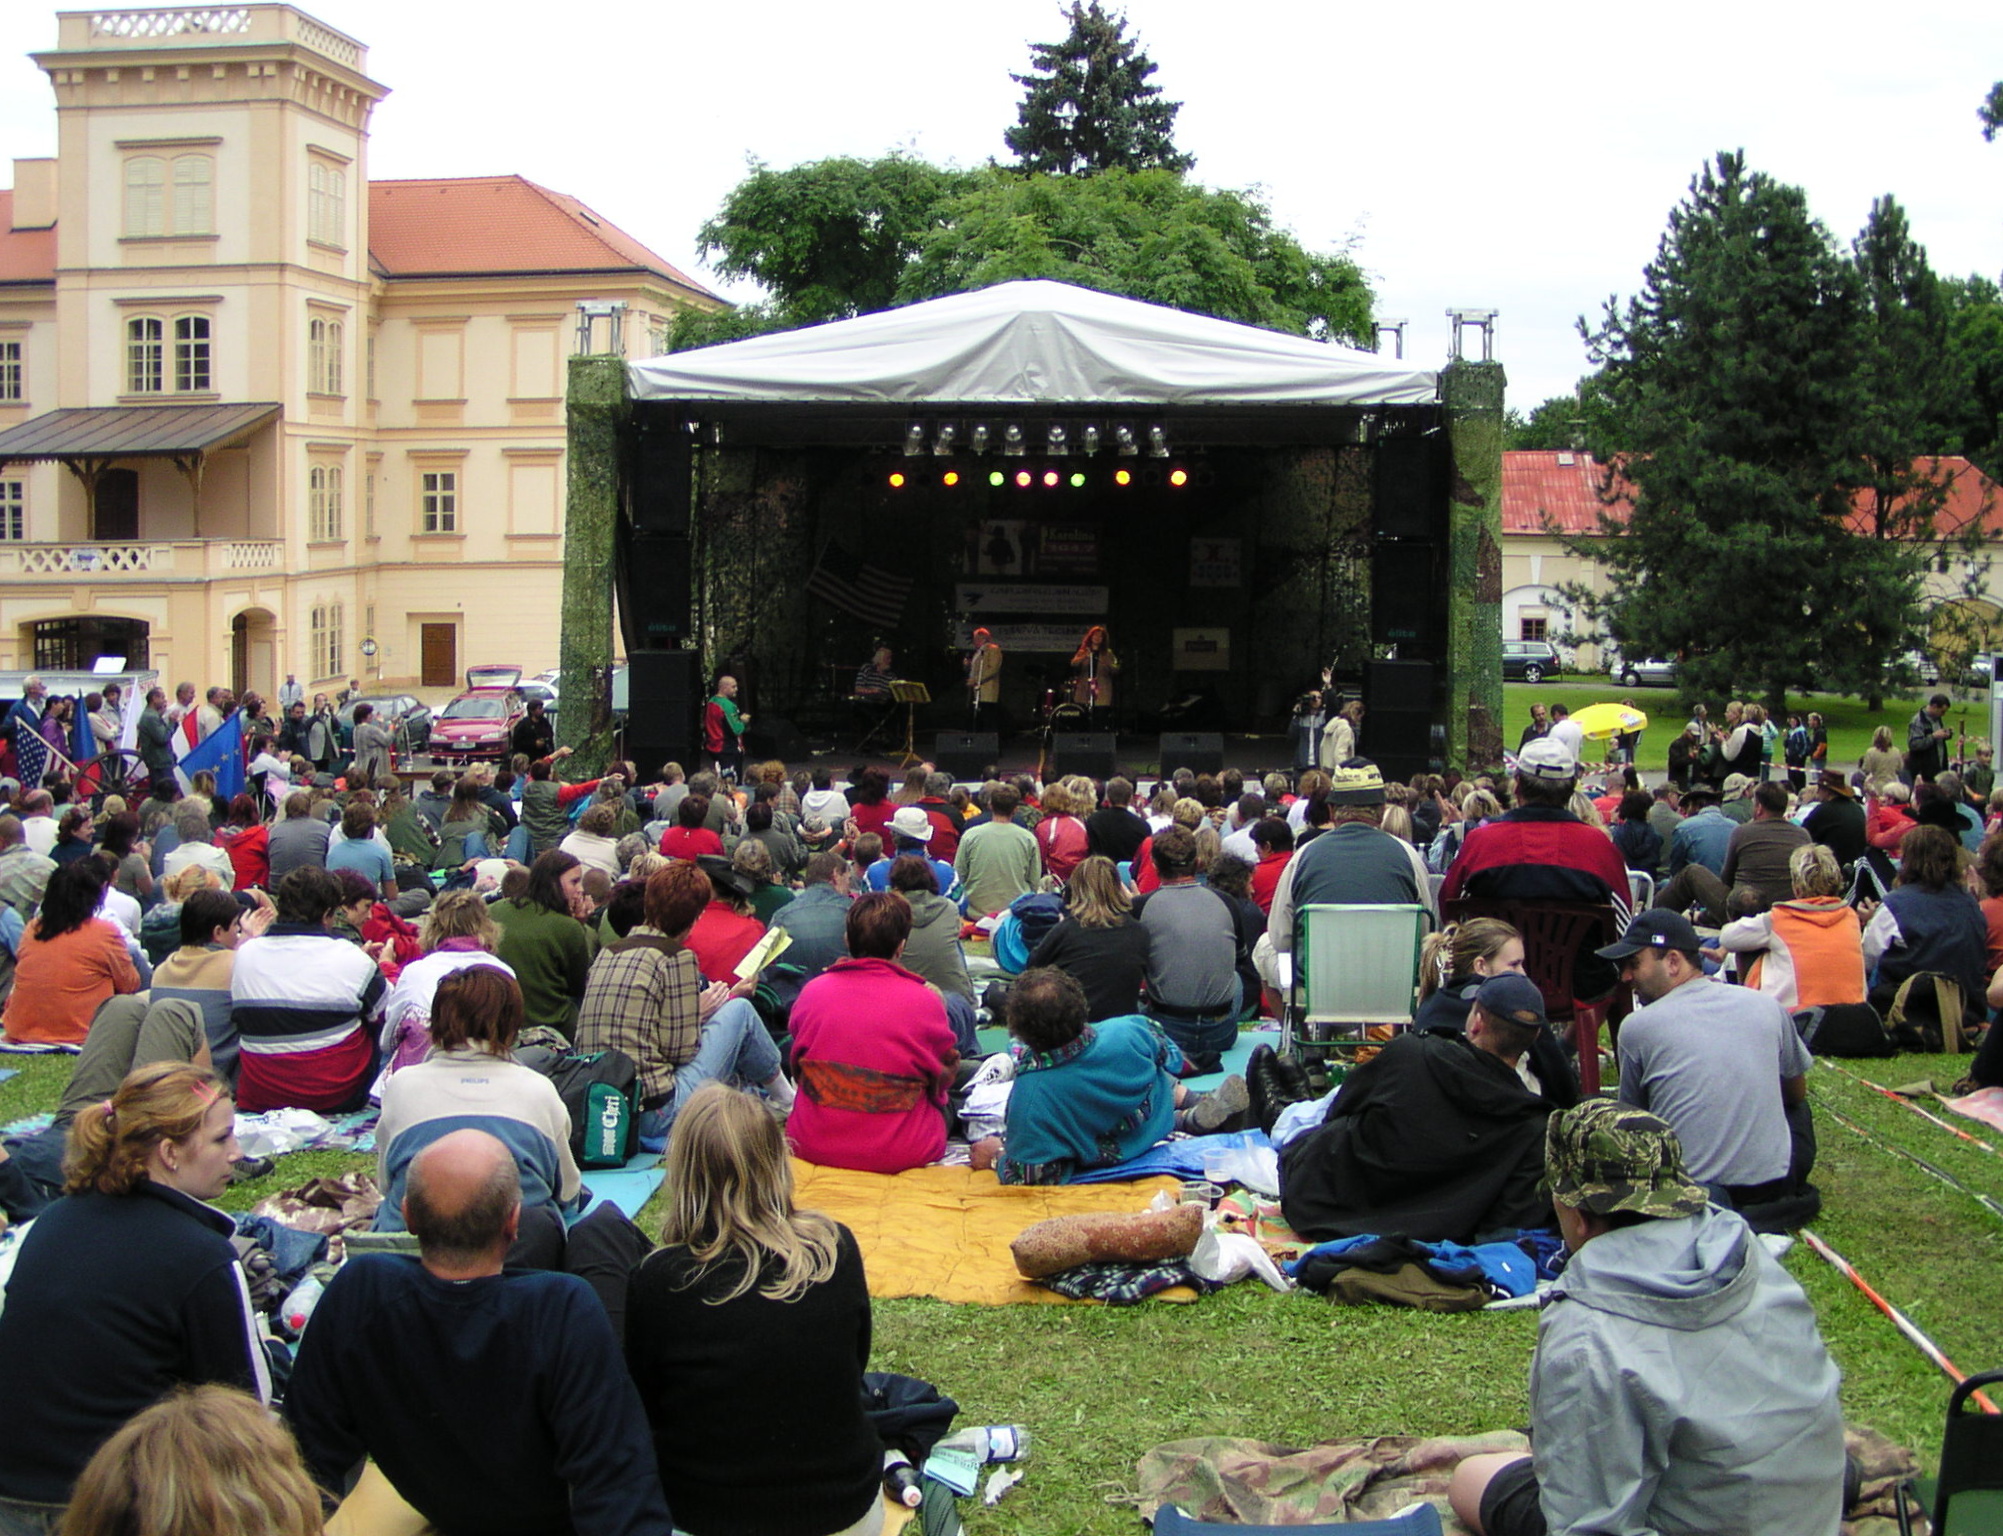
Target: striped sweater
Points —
{"points": [[305, 1004]]}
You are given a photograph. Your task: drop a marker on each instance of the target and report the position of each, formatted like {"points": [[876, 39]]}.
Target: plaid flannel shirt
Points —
{"points": [[644, 997]]}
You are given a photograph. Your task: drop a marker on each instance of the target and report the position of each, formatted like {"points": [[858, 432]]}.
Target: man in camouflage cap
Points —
{"points": [[1679, 1382]]}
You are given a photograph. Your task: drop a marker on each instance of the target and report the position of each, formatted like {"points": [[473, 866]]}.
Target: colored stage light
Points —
{"points": [[1077, 477], [950, 478], [996, 477], [1050, 478], [1123, 477], [897, 479], [1178, 477], [1022, 478]]}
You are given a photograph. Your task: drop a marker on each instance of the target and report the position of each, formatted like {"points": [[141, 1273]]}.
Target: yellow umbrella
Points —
{"points": [[1603, 722]]}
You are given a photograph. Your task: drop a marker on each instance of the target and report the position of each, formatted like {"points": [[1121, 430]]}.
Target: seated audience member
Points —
{"points": [[933, 951], [824, 800], [746, 1291], [458, 932], [357, 849], [1806, 952], [75, 835], [998, 860], [1723, 1065], [1927, 924], [1679, 1382], [1113, 831], [1987, 874], [1185, 812], [1195, 949], [1061, 840], [1098, 944], [247, 841], [490, 1398], [816, 920], [645, 996], [910, 832], [1273, 840], [1757, 854], [297, 840], [1838, 821], [1356, 860], [470, 829], [1436, 1137], [208, 1459], [1888, 810], [68, 961], [753, 863], [593, 842], [23, 872], [727, 929], [213, 923], [1639, 844], [124, 1289], [873, 1053], [305, 1004], [471, 1079], [1091, 1095], [689, 837], [1453, 964], [870, 805], [545, 940]]}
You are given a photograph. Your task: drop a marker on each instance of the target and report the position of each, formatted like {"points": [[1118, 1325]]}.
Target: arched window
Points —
{"points": [[326, 203], [316, 354], [316, 503], [194, 195], [145, 196], [144, 356], [335, 529], [191, 353], [330, 378]]}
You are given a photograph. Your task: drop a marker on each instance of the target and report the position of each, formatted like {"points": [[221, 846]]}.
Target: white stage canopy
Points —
{"points": [[1033, 343]]}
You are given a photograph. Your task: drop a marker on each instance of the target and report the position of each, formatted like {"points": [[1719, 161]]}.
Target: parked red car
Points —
{"points": [[478, 722]]}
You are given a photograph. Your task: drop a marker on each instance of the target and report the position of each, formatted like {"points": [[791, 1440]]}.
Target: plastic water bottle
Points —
{"points": [[990, 1442], [900, 1479], [298, 1306]]}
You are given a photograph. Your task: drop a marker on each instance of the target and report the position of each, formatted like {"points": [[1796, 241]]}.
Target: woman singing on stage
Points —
{"points": [[1092, 670]]}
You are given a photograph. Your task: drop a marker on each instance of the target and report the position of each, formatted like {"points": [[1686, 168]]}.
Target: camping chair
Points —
{"points": [[1352, 966], [1419, 1520], [1553, 934], [1967, 1497], [1641, 890]]}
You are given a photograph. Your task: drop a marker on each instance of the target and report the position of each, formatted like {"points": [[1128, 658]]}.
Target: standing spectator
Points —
{"points": [[1540, 725], [533, 735], [1341, 737], [374, 744], [545, 941], [305, 1003], [1881, 762], [69, 961], [1927, 736], [723, 729]]}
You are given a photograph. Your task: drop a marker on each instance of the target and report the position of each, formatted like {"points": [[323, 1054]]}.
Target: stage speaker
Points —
{"points": [[658, 489], [1198, 751], [654, 591], [1408, 487], [1406, 605], [664, 692], [966, 755], [1398, 707], [1088, 752]]}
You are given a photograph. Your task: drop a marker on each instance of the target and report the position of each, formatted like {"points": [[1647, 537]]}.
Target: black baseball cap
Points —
{"points": [[1657, 928]]}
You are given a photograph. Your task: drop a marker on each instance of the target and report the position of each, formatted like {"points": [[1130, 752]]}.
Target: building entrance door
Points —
{"points": [[439, 659]]}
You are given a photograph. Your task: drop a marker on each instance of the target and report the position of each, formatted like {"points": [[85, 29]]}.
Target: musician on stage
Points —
{"points": [[1092, 669], [984, 664], [874, 677]]}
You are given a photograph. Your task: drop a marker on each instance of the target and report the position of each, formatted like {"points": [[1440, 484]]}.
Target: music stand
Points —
{"points": [[910, 695]]}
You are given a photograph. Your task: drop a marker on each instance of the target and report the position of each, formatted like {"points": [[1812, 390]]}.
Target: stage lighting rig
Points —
{"points": [[1023, 479], [997, 478], [977, 439], [897, 479], [914, 439], [1012, 441], [1050, 478], [942, 439], [1178, 477], [950, 478], [1157, 442], [1123, 476], [1089, 438], [1123, 439], [1056, 439]]}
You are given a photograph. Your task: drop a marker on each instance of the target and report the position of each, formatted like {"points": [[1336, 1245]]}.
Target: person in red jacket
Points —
{"points": [[688, 838]]}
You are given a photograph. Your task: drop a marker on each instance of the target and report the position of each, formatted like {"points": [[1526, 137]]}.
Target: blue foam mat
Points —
{"points": [[1181, 1159], [629, 1188]]}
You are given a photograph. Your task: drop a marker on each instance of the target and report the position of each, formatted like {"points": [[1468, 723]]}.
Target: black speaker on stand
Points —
{"points": [[1088, 752], [664, 693], [966, 755], [1398, 710], [1198, 751]]}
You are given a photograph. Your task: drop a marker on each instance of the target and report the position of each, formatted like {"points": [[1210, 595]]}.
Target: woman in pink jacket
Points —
{"points": [[873, 1055]]}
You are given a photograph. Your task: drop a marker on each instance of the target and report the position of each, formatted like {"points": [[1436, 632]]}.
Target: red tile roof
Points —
{"points": [[490, 225], [26, 255], [1564, 487]]}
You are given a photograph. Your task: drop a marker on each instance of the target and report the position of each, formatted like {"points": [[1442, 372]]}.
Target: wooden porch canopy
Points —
{"points": [[88, 440]]}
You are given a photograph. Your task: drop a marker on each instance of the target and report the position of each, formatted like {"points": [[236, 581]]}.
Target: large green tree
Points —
{"points": [[1563, 421], [1087, 104], [1735, 400], [1975, 337], [1991, 112]]}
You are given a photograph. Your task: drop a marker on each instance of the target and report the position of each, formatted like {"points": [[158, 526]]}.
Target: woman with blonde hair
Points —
{"points": [[747, 1292], [458, 932], [1060, 835], [1453, 963], [1882, 762], [1099, 944], [1187, 813], [207, 1461], [124, 1289], [1807, 952]]}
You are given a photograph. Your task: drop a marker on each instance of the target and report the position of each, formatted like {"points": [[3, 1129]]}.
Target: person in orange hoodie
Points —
{"points": [[69, 963], [1807, 952]]}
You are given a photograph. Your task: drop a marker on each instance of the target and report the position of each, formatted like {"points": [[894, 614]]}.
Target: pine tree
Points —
{"points": [[1736, 400], [1087, 105]]}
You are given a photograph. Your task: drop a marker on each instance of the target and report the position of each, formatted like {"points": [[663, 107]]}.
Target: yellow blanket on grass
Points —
{"points": [[945, 1232]]}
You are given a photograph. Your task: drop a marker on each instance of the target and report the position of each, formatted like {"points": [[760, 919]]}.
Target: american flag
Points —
{"points": [[31, 755], [852, 584]]}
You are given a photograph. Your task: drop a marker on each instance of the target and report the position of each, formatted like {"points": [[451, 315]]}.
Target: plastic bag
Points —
{"points": [[1227, 1257], [1254, 1167]]}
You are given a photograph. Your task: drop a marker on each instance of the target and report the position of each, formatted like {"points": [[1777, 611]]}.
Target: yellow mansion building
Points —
{"points": [[256, 409]]}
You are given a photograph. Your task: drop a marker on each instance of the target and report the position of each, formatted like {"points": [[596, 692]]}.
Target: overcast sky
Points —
{"points": [[1523, 157]]}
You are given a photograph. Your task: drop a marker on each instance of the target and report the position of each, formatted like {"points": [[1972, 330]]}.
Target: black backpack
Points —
{"points": [[1845, 1029], [601, 1089]]}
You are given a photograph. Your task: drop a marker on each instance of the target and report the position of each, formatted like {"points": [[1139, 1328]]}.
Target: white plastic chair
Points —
{"points": [[1353, 966]]}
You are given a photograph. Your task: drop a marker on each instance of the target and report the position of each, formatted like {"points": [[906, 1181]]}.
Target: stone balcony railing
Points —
{"points": [[186, 560], [220, 24]]}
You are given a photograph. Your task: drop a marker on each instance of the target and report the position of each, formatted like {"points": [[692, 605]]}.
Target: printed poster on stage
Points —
{"points": [[1202, 650], [1068, 549], [976, 598], [1216, 562], [1015, 639], [1001, 548]]}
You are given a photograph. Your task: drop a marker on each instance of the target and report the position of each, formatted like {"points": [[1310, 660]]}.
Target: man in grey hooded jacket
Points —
{"points": [[1679, 1383]]}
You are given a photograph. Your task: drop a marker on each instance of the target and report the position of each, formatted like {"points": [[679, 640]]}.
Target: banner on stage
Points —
{"points": [[1015, 638], [1202, 650], [975, 598], [1216, 562]]}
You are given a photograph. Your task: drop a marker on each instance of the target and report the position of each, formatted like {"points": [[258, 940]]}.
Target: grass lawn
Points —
{"points": [[1098, 1386], [1850, 723]]}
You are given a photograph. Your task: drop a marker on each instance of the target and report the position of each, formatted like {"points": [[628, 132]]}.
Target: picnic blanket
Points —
{"points": [[629, 1188], [1249, 1482], [1985, 1104], [945, 1232], [994, 1038]]}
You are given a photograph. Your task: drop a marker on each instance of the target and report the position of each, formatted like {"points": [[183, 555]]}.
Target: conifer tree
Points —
{"points": [[1087, 104]]}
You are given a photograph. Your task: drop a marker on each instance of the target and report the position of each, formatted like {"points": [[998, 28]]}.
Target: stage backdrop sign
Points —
{"points": [[1216, 562], [1001, 547], [1202, 650], [1068, 549], [981, 597], [1024, 637]]}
